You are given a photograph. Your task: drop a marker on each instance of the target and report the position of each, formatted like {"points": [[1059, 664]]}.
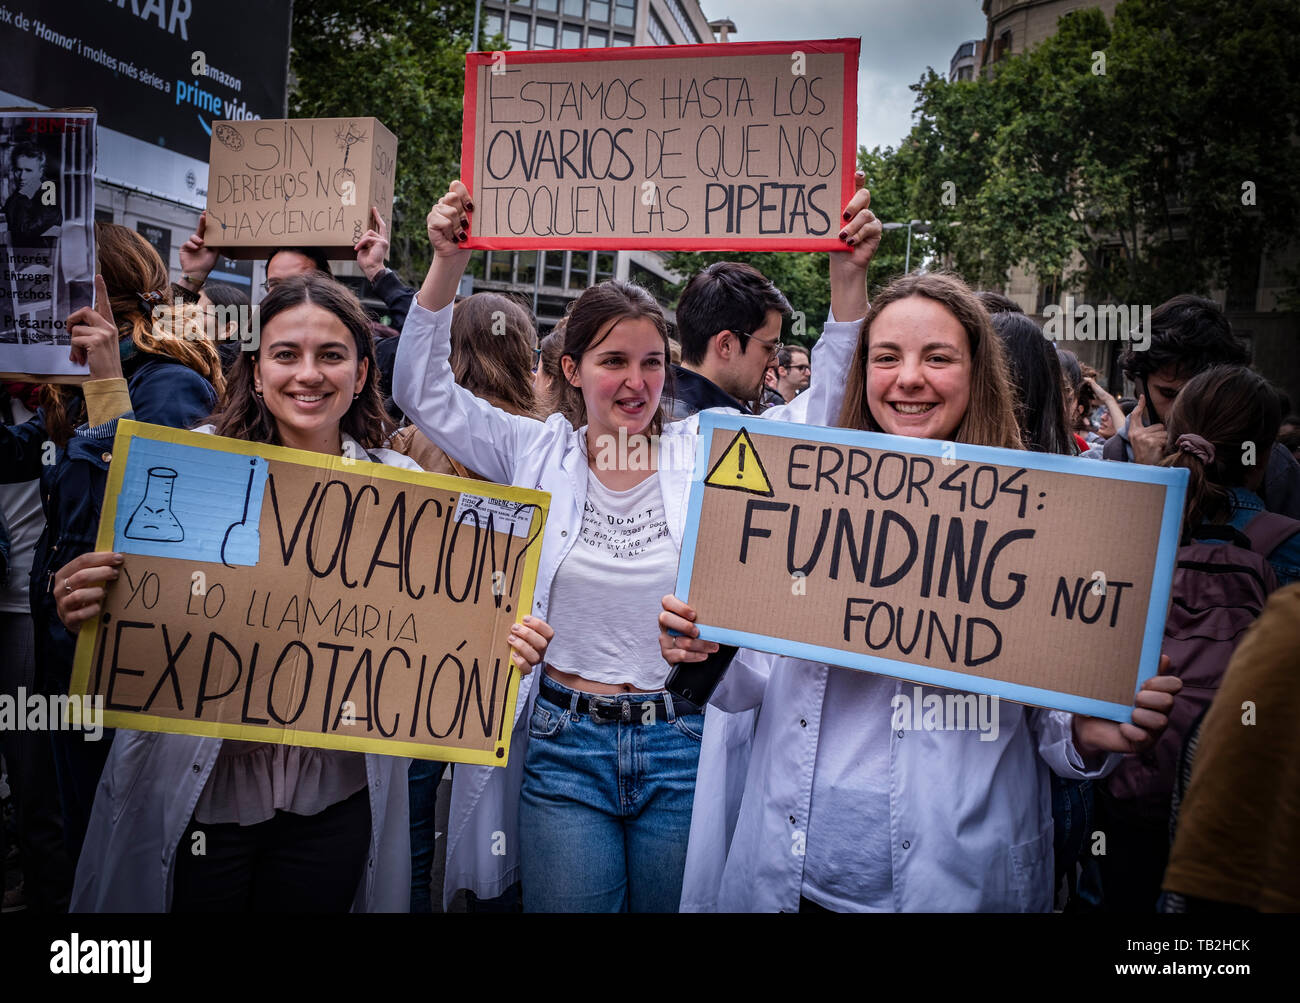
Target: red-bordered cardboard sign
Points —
{"points": [[738, 146]]}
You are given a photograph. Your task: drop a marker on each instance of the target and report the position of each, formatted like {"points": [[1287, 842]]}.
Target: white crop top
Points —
{"points": [[608, 591]]}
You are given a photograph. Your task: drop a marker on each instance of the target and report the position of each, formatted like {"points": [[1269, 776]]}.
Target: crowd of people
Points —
{"points": [[790, 791]]}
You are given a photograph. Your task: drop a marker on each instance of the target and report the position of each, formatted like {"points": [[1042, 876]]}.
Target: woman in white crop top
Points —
{"points": [[602, 810]]}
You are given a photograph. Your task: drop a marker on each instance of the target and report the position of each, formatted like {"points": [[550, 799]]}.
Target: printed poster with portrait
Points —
{"points": [[47, 239]]}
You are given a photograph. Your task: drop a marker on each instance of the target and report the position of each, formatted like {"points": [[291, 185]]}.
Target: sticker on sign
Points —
{"points": [[504, 513]]}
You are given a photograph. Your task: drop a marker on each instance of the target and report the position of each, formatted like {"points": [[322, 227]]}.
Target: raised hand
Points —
{"points": [[861, 232], [95, 337], [197, 259], [372, 248]]}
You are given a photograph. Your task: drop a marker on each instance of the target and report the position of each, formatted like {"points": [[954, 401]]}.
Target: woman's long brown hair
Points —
{"points": [[990, 418], [492, 340], [246, 416], [137, 281], [1229, 407]]}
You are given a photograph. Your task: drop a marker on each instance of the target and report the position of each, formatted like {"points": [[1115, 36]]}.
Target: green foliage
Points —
{"points": [[1136, 172], [403, 62]]}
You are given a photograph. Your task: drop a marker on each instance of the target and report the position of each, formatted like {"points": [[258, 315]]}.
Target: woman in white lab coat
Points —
{"points": [[844, 809], [554, 797]]}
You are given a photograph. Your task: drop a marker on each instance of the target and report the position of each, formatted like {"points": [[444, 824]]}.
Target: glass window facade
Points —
{"points": [[657, 32], [625, 13]]}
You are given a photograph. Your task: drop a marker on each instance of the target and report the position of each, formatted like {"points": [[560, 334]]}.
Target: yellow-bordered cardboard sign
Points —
{"points": [[276, 595]]}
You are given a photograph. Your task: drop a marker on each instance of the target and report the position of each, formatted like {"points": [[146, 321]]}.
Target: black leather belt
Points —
{"points": [[628, 708]]}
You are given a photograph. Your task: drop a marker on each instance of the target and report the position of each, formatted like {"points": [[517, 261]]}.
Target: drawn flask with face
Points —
{"points": [[153, 518]]}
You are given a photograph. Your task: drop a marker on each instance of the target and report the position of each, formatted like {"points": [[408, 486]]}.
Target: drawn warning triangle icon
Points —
{"points": [[740, 469]]}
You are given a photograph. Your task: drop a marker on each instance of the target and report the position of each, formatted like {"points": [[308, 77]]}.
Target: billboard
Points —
{"points": [[160, 71]]}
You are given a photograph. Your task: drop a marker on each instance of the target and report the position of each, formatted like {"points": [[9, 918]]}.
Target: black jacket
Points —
{"points": [[163, 391], [692, 393]]}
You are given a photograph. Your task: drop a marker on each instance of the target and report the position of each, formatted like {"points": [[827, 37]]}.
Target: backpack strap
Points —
{"points": [[1269, 530], [1224, 533]]}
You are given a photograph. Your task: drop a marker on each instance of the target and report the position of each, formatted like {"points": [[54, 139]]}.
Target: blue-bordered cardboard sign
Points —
{"points": [[276, 595], [1036, 578]]}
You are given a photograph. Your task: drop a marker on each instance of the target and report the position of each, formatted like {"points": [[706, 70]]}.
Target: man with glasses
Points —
{"points": [[793, 373], [729, 325]]}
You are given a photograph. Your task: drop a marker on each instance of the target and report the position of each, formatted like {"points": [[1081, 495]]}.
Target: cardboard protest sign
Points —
{"points": [[276, 595], [1036, 578], [47, 239], [297, 182], [742, 146]]}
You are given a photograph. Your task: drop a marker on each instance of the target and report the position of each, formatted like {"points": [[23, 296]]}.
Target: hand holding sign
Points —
{"points": [[81, 585], [372, 248], [1094, 736], [679, 638], [861, 233], [197, 259], [448, 227], [94, 336], [530, 640]]}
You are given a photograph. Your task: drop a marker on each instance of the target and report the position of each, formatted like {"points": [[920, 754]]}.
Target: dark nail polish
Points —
{"points": [[850, 241], [843, 234], [847, 216], [462, 235], [469, 206]]}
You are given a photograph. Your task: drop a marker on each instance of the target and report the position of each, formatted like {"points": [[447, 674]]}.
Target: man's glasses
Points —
{"points": [[803, 367], [772, 346]]}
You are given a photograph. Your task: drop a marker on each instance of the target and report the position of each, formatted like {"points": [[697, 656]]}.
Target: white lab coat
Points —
{"points": [[152, 781], [547, 456], [970, 820]]}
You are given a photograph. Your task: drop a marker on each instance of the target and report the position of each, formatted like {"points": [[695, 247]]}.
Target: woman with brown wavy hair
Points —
{"points": [[168, 381], [286, 828]]}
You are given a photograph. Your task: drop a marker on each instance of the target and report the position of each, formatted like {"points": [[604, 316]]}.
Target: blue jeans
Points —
{"points": [[423, 778], [605, 809]]}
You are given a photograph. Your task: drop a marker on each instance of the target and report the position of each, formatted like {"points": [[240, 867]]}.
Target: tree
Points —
{"points": [[1130, 145], [402, 61]]}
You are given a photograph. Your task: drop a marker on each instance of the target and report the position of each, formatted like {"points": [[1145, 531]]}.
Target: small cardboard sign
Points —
{"points": [[47, 239], [303, 182], [276, 595], [736, 146], [1036, 578]]}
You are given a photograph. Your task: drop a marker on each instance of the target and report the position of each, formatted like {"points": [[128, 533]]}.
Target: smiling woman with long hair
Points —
{"points": [[285, 828], [883, 819]]}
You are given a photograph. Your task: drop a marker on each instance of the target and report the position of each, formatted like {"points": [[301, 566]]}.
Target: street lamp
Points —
{"points": [[920, 226]]}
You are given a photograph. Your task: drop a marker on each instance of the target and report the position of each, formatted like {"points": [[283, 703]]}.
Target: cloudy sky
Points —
{"points": [[900, 38]]}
